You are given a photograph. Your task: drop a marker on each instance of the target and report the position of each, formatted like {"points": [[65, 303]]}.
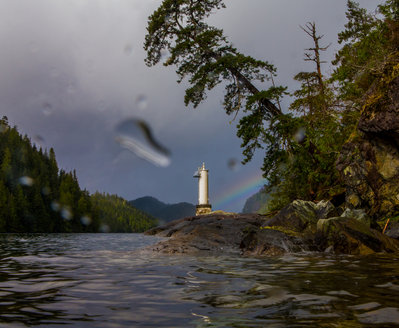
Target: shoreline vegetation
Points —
{"points": [[337, 140], [37, 196], [331, 159]]}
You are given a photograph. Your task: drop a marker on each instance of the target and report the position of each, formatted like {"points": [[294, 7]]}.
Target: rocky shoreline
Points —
{"points": [[300, 226]]}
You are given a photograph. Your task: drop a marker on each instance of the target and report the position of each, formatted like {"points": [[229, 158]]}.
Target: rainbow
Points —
{"points": [[238, 192]]}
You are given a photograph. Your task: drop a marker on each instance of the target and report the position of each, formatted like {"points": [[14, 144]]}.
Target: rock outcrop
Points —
{"points": [[342, 235], [216, 233], [369, 162], [300, 226]]}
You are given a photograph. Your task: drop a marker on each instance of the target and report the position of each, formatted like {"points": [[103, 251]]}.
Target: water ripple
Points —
{"points": [[106, 280]]}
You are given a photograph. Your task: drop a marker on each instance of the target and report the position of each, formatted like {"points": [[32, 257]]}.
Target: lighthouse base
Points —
{"points": [[203, 209]]}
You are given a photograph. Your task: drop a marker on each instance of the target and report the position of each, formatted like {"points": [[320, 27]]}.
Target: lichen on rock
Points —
{"points": [[369, 162]]}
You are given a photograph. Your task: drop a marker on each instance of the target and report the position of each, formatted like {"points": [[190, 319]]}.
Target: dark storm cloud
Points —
{"points": [[72, 70]]}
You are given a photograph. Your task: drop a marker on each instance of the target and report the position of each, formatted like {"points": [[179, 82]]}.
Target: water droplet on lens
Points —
{"points": [[164, 54], [39, 140], [54, 72], [47, 109], [26, 181], [168, 18], [90, 66], [45, 191], [128, 49], [55, 206], [299, 136], [33, 48], [241, 84], [233, 164], [86, 220], [66, 213], [141, 102], [71, 89], [104, 228], [136, 136], [3, 128]]}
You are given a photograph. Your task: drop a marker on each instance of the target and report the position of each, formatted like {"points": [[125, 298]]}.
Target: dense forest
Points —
{"points": [[37, 196], [118, 215], [301, 144], [163, 212]]}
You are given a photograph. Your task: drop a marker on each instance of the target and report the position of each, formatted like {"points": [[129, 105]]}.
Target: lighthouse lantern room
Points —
{"points": [[203, 206]]}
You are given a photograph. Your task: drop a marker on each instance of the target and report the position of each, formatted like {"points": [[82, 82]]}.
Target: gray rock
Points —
{"points": [[300, 226], [393, 230], [358, 214], [351, 236]]}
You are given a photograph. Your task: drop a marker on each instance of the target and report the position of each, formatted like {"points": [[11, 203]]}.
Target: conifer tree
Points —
{"points": [[204, 56]]}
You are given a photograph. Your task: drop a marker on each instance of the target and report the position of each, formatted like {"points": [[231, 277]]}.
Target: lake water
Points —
{"points": [[105, 280]]}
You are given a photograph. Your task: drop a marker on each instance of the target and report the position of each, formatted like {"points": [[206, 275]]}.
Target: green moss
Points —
{"points": [[286, 231]]}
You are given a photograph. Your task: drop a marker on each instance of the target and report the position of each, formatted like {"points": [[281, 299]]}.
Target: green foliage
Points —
{"points": [[204, 56], [325, 110], [35, 196], [117, 215], [368, 42]]}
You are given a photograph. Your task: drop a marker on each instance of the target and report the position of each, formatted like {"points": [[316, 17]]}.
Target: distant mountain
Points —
{"points": [[256, 202], [163, 212]]}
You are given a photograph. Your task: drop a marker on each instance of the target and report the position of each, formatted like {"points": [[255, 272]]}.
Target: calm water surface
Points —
{"points": [[106, 280]]}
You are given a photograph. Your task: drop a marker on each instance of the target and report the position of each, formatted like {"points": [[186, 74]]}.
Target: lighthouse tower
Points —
{"points": [[203, 206]]}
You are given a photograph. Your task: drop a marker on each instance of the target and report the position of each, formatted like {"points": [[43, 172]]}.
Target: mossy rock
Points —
{"points": [[301, 215], [350, 236]]}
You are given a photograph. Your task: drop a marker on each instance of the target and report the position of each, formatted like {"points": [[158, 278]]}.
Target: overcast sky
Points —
{"points": [[72, 70]]}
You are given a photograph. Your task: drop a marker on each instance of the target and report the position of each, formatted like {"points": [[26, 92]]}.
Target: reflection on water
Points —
{"points": [[105, 280]]}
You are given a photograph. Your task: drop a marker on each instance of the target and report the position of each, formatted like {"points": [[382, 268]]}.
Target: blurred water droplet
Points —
{"points": [[164, 54], [39, 140], [55, 206], [71, 89], [33, 48], [141, 102], [128, 50], [47, 109], [3, 128], [241, 84], [102, 105], [168, 18], [26, 181], [104, 228], [233, 164], [299, 136], [90, 66], [86, 220], [213, 75], [46, 191], [66, 213], [136, 136], [54, 72]]}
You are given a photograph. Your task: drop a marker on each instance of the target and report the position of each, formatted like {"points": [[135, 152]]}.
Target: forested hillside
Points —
{"points": [[256, 202], [163, 212], [36, 196], [117, 215]]}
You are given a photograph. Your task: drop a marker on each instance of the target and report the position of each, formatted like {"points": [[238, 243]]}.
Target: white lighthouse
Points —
{"points": [[203, 206]]}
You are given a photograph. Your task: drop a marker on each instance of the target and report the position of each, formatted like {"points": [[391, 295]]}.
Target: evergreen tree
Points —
{"points": [[301, 147], [35, 196], [203, 54]]}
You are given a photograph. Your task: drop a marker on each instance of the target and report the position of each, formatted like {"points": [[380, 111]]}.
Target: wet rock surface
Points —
{"points": [[369, 161], [206, 233], [300, 226]]}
